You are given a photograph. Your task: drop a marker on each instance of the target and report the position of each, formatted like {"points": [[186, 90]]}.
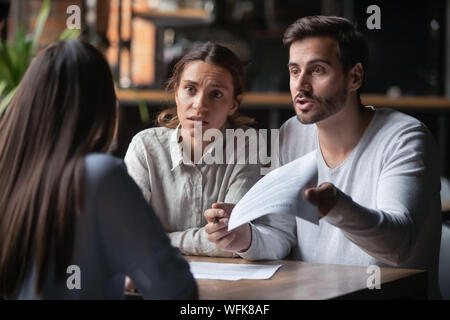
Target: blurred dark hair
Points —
{"points": [[215, 54], [352, 45], [63, 109], [4, 11]]}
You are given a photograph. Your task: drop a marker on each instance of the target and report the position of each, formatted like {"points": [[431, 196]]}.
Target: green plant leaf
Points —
{"points": [[6, 100], [143, 111], [16, 66], [6, 66], [3, 85], [20, 54], [15, 58], [69, 34], [41, 20]]}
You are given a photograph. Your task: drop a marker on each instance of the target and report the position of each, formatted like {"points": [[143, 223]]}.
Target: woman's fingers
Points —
{"points": [[212, 215], [214, 227]]}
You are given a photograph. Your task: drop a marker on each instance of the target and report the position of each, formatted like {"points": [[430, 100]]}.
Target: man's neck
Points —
{"points": [[340, 133]]}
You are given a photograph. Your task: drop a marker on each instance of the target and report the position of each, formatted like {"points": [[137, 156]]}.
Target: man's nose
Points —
{"points": [[303, 82]]}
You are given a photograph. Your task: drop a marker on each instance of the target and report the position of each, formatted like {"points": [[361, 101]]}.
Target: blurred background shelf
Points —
{"points": [[143, 39], [283, 100], [184, 13]]}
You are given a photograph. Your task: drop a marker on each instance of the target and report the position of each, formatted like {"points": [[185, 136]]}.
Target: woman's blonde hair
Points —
{"points": [[220, 56]]}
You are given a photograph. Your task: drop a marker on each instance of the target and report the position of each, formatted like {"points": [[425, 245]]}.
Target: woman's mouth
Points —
{"points": [[198, 121]]}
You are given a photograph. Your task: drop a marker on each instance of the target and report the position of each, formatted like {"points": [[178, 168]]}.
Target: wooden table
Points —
{"points": [[297, 280]]}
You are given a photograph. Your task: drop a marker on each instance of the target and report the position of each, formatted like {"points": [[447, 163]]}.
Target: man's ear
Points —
{"points": [[236, 104], [356, 77]]}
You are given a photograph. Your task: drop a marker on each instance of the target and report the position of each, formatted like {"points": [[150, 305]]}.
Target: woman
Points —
{"points": [[207, 84], [72, 222]]}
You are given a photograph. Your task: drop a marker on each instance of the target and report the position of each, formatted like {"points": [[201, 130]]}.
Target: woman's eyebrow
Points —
{"points": [[214, 84], [218, 85], [190, 81]]}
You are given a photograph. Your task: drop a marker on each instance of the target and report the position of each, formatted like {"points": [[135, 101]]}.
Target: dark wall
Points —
{"points": [[408, 50]]}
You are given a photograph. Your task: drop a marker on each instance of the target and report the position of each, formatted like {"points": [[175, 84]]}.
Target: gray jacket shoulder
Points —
{"points": [[99, 165]]}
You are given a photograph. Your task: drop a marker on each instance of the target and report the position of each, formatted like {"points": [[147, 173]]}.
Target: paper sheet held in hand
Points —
{"points": [[280, 192], [232, 271]]}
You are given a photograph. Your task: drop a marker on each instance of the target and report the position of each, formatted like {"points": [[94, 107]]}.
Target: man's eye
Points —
{"points": [[295, 72], [318, 70]]}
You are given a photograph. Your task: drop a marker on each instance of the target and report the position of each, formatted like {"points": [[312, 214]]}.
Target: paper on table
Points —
{"points": [[232, 271], [280, 192]]}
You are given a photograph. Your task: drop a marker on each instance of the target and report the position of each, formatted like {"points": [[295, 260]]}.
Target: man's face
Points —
{"points": [[318, 85]]}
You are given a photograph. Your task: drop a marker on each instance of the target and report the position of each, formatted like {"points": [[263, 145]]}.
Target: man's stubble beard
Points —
{"points": [[323, 108]]}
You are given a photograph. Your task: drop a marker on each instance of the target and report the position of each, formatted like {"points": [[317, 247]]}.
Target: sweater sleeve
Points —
{"points": [[194, 241], [133, 239], [408, 183], [273, 237]]}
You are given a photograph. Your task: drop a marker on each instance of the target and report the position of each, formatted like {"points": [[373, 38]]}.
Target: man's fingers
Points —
{"points": [[317, 194], [311, 195], [323, 196]]}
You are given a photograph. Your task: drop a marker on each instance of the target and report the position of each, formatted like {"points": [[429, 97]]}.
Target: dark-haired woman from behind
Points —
{"points": [[72, 222]]}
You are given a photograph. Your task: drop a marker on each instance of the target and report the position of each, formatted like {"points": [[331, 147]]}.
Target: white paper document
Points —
{"points": [[232, 271], [280, 192]]}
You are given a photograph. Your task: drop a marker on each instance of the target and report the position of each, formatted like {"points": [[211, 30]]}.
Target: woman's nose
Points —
{"points": [[200, 104]]}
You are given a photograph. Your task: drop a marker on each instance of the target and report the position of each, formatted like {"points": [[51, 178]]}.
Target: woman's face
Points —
{"points": [[204, 96]]}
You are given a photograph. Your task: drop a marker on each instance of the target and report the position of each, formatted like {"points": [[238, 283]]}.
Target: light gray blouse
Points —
{"points": [[180, 191]]}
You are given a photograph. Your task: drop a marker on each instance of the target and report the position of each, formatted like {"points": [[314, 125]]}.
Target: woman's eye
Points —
{"points": [[217, 94], [189, 89]]}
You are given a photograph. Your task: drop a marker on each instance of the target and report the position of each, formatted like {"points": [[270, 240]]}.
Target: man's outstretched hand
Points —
{"points": [[324, 197]]}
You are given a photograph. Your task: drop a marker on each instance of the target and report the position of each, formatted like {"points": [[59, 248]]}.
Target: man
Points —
{"points": [[378, 173]]}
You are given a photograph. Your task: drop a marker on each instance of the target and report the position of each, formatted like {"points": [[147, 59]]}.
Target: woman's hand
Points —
{"points": [[129, 286], [218, 217]]}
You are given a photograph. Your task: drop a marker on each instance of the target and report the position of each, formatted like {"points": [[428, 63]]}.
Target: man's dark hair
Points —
{"points": [[352, 45]]}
